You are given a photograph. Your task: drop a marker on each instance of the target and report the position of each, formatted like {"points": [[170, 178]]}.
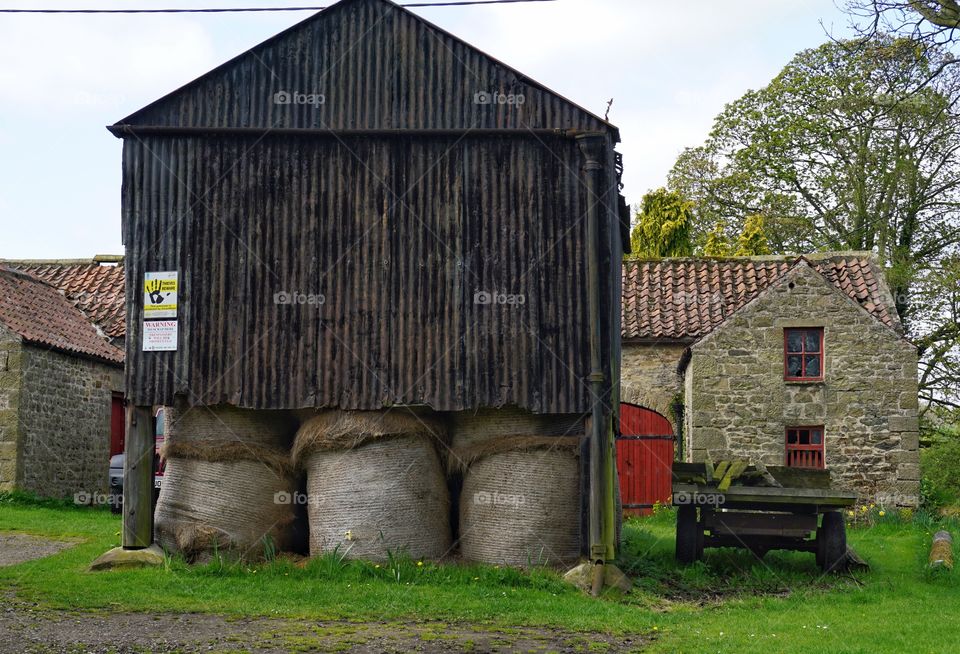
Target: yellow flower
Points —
{"points": [[850, 513], [419, 564], [863, 509], [377, 565], [883, 513]]}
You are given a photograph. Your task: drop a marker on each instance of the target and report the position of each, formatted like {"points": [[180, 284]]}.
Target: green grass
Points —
{"points": [[730, 602]]}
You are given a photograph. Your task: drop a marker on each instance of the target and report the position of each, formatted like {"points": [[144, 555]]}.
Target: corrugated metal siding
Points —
{"points": [[378, 66], [397, 234]]}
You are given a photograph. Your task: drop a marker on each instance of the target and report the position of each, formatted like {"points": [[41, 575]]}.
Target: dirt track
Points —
{"points": [[30, 628]]}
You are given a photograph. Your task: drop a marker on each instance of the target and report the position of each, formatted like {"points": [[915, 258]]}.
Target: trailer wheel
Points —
{"points": [[689, 535], [832, 542]]}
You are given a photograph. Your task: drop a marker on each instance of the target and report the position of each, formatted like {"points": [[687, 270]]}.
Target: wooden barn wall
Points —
{"points": [[377, 67], [398, 235]]}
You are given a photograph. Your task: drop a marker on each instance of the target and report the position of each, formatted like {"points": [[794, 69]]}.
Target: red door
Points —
{"points": [[644, 459], [116, 424]]}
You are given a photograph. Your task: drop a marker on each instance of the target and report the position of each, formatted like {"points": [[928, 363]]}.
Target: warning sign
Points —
{"points": [[160, 295], [159, 335]]}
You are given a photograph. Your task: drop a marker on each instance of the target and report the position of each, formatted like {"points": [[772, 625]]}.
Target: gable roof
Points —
{"points": [[685, 299], [90, 285], [40, 314], [376, 65]]}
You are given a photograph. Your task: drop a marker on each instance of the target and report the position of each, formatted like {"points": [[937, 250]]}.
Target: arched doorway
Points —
{"points": [[644, 459]]}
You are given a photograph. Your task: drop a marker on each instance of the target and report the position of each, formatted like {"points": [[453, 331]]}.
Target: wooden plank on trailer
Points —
{"points": [[763, 494], [739, 523]]}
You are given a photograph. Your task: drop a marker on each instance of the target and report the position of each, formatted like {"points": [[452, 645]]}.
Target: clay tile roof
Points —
{"points": [[41, 314], [94, 288], [688, 298]]}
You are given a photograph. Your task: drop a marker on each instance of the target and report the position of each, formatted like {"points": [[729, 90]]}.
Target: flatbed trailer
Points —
{"points": [[802, 513]]}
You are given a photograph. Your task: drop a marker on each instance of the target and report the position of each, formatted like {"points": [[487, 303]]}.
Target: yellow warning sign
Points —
{"points": [[160, 294]]}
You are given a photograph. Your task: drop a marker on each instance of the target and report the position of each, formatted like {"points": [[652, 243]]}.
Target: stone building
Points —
{"points": [[60, 377], [786, 360]]}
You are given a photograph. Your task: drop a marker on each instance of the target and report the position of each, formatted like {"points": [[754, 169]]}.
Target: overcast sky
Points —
{"points": [[670, 67]]}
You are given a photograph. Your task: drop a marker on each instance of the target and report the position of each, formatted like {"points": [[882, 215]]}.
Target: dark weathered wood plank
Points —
{"points": [[138, 478]]}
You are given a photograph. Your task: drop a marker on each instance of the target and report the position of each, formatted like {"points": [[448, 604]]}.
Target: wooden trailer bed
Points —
{"points": [[760, 509]]}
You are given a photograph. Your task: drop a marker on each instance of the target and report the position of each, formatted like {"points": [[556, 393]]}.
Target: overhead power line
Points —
{"points": [[224, 10]]}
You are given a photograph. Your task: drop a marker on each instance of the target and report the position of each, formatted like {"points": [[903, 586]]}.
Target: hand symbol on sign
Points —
{"points": [[153, 288]]}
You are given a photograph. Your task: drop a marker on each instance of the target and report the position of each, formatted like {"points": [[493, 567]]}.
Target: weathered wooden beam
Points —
{"points": [[763, 494], [138, 478], [941, 552]]}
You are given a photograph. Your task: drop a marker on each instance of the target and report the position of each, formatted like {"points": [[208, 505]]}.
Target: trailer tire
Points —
{"points": [[832, 542], [689, 535]]}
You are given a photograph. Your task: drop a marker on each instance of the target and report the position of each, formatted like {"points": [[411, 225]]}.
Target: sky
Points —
{"points": [[670, 67]]}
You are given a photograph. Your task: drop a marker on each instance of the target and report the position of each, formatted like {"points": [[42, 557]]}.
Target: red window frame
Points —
{"points": [[800, 454], [803, 353]]}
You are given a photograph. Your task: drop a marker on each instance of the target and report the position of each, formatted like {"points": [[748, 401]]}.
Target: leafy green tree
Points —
{"points": [[752, 240], [663, 226], [850, 147], [717, 243]]}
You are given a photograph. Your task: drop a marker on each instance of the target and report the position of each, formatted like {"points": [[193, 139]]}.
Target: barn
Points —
{"points": [[360, 236]]}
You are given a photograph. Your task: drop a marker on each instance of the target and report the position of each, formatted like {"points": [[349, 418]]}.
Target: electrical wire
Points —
{"points": [[218, 10]]}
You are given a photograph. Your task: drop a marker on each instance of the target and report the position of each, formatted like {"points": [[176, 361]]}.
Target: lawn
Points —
{"points": [[729, 603]]}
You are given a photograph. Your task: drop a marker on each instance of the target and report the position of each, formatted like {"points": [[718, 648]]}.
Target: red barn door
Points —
{"points": [[116, 424], [644, 459]]}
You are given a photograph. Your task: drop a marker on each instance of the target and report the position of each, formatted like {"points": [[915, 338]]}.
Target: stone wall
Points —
{"points": [[65, 404], [10, 359], [739, 404], [649, 377]]}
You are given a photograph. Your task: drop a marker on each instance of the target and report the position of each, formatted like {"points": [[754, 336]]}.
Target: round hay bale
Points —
{"points": [[469, 428], [520, 504], [227, 423], [226, 489], [375, 485]]}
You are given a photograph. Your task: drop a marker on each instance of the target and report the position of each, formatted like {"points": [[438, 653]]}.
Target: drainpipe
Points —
{"points": [[591, 147]]}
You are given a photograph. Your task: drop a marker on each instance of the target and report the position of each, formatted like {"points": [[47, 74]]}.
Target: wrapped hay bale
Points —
{"points": [[227, 485], [520, 504], [375, 484], [472, 427], [272, 429]]}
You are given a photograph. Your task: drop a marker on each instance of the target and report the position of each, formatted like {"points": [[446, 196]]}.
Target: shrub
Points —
{"points": [[940, 465]]}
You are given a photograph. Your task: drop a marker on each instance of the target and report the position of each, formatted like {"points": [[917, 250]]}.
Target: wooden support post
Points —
{"points": [[138, 478]]}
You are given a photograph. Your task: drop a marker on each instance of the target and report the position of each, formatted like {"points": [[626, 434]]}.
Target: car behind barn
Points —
{"points": [[374, 223]]}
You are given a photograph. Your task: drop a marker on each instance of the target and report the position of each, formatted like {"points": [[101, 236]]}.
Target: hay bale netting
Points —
{"points": [[375, 485], [520, 504], [227, 484]]}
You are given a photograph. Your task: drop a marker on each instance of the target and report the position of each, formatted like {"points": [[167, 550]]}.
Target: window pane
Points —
{"points": [[793, 366], [812, 340], [804, 436], [816, 437], [813, 365], [794, 341], [792, 436]]}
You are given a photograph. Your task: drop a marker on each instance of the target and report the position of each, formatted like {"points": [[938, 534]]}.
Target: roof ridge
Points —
{"points": [[98, 259]]}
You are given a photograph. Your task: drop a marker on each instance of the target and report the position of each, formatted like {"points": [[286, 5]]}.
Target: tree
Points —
{"points": [[932, 22], [752, 240], [717, 243], [848, 148], [663, 226]]}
